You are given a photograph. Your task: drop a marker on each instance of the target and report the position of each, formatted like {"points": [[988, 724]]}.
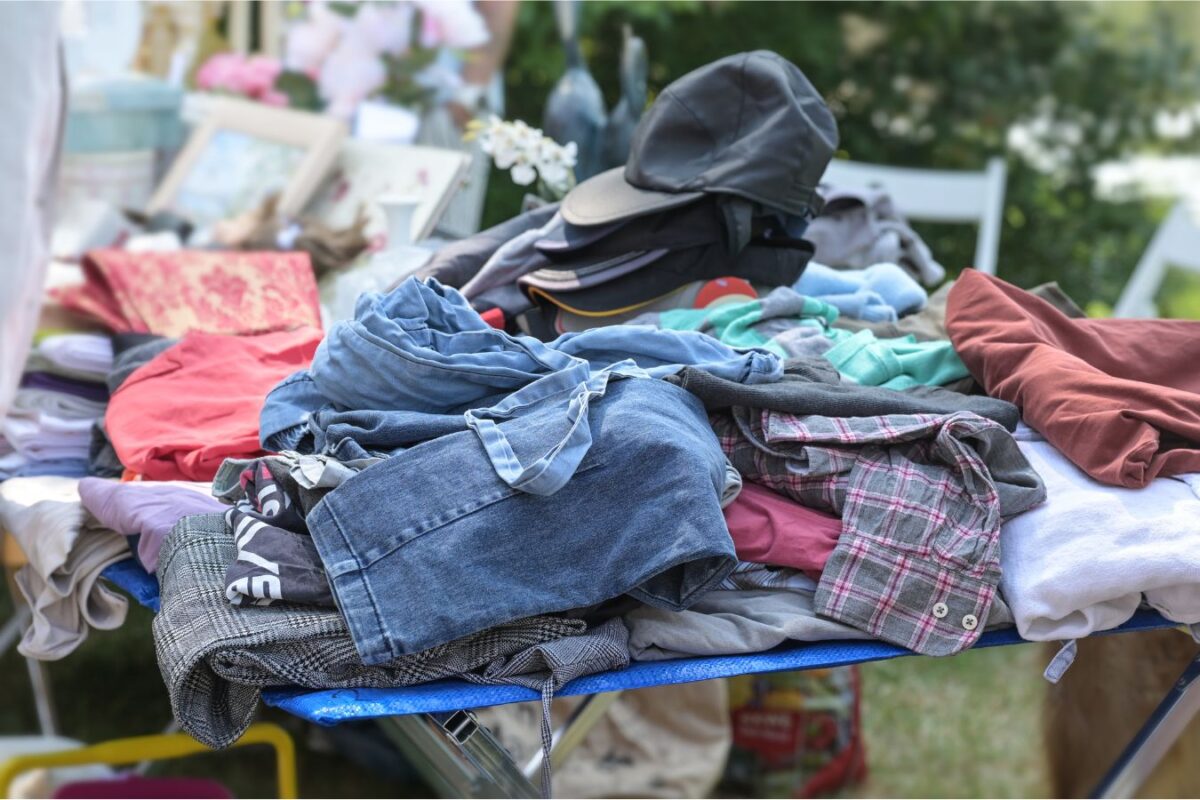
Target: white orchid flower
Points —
{"points": [[505, 150], [523, 172], [555, 162], [386, 29], [311, 42], [528, 154], [570, 154], [351, 74]]}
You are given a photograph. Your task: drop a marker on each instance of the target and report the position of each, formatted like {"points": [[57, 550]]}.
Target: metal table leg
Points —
{"points": [[39, 679], [1155, 738], [460, 758], [564, 740], [15, 626], [457, 756]]}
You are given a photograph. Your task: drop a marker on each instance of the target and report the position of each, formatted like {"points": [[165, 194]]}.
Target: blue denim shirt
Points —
{"points": [[419, 363]]}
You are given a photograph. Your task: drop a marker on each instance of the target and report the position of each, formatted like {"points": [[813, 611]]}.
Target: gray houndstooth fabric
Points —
{"points": [[546, 667], [215, 658]]}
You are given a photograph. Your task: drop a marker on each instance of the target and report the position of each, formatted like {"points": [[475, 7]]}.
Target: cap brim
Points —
{"points": [[557, 279], [583, 304], [568, 238], [635, 290], [608, 197]]}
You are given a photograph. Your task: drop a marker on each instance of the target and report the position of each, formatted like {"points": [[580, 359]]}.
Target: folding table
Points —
{"points": [[433, 724]]}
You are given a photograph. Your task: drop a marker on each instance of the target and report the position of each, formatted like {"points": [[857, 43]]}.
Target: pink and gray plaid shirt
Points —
{"points": [[921, 499]]}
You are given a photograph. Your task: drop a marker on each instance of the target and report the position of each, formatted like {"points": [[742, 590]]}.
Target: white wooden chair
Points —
{"points": [[955, 196], [1176, 243]]}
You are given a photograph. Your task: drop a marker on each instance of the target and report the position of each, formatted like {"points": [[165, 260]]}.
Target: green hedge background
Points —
{"points": [[938, 85]]}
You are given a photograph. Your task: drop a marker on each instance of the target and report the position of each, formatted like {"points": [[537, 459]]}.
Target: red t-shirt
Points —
{"points": [[180, 415]]}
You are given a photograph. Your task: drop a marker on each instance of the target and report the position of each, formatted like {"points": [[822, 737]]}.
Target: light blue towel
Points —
{"points": [[879, 293]]}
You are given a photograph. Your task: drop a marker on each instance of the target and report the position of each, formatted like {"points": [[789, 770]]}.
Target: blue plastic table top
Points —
{"points": [[332, 706]]}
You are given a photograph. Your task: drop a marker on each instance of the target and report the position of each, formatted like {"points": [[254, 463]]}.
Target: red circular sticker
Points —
{"points": [[723, 290]]}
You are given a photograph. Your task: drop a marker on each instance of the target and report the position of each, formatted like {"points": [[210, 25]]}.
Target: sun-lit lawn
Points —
{"points": [[967, 726]]}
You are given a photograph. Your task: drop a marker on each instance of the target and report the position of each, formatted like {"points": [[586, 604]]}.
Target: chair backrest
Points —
{"points": [[938, 196], [1176, 243]]}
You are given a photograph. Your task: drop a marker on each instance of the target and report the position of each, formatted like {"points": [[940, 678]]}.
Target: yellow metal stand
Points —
{"points": [[158, 747]]}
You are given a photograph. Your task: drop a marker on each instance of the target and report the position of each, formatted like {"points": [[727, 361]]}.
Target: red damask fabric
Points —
{"points": [[185, 291]]}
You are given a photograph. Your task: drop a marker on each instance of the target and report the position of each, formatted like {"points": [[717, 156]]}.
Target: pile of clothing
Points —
{"points": [[117, 406], [62, 396], [653, 422]]}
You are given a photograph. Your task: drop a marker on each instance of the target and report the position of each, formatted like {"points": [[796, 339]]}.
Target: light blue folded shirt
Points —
{"points": [[879, 293]]}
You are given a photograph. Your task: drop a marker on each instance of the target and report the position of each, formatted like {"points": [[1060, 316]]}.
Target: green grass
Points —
{"points": [[964, 726], [967, 726]]}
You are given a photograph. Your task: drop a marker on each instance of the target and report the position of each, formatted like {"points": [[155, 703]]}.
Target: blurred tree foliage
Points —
{"points": [[933, 85]]}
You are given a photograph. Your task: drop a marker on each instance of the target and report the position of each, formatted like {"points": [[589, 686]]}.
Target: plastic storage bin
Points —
{"points": [[123, 115]]}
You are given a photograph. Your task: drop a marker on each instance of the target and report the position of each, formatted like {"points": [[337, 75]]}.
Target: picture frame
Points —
{"points": [[365, 171], [243, 152]]}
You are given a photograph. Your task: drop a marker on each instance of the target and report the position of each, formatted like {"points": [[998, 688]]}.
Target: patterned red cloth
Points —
{"points": [[920, 498], [175, 293], [180, 415]]}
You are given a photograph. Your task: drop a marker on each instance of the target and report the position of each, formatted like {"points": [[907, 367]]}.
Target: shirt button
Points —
{"points": [[940, 610], [970, 622]]}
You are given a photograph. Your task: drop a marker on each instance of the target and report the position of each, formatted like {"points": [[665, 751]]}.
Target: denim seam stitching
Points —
{"points": [[358, 577], [716, 578], [506, 496], [355, 329]]}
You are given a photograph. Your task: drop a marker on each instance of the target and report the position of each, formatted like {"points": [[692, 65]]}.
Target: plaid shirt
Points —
{"points": [[918, 562]]}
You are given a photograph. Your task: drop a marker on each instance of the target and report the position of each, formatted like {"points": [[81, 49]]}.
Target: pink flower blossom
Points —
{"points": [[351, 74], [252, 77], [257, 76], [274, 98], [453, 23], [311, 42], [219, 72]]}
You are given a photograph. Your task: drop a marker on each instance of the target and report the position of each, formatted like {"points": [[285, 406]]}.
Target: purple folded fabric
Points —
{"points": [[147, 510], [57, 383]]}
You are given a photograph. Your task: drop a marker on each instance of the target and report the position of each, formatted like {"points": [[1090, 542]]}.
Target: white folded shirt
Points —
{"points": [[31, 402], [10, 462], [66, 555], [44, 437], [82, 352], [1083, 561]]}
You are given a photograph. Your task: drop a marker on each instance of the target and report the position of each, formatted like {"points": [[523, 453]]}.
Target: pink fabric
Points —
{"points": [[768, 528], [136, 786]]}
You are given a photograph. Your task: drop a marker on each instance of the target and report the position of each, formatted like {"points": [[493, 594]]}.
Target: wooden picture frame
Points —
{"points": [[241, 153], [366, 171]]}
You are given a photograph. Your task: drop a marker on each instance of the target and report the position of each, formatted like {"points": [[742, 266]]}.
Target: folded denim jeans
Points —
{"points": [[431, 544], [421, 353]]}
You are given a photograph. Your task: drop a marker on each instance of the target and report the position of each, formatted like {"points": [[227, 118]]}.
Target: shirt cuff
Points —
{"points": [[904, 599]]}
